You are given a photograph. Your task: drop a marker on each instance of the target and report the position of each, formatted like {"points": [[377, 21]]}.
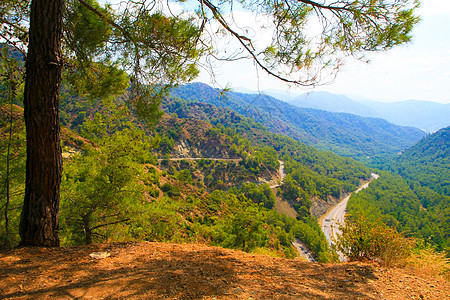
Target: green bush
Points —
{"points": [[361, 239], [170, 190]]}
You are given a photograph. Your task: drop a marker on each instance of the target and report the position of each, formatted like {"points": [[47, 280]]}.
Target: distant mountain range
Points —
{"points": [[343, 133], [426, 115]]}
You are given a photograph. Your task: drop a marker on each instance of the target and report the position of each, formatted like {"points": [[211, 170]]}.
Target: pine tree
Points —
{"points": [[157, 50]]}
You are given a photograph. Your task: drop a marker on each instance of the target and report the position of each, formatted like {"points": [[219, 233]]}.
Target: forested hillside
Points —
{"points": [[332, 175], [418, 202], [341, 133], [418, 212], [114, 187], [427, 163]]}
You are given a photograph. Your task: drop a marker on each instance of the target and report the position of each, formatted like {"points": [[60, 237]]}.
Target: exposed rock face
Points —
{"points": [[196, 139], [219, 173], [207, 148], [320, 206]]}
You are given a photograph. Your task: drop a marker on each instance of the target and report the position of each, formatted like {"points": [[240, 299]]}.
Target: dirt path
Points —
{"points": [[282, 175], [189, 271]]}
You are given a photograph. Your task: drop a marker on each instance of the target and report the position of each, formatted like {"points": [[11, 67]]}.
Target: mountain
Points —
{"points": [[344, 134], [426, 115], [428, 162], [334, 103], [333, 175]]}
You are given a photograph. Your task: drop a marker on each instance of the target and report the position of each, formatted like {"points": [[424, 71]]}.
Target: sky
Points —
{"points": [[419, 70]]}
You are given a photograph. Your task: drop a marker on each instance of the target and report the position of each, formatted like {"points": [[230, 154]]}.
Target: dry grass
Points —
{"points": [[429, 262]]}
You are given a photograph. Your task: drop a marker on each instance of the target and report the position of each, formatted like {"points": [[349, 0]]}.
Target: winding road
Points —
{"points": [[335, 216], [299, 245], [329, 222]]}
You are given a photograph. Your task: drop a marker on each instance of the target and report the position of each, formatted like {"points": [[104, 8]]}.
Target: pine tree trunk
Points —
{"points": [[39, 222]]}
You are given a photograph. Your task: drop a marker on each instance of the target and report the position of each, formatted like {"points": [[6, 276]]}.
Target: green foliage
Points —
{"points": [[184, 175], [292, 192], [12, 149], [260, 194], [361, 239], [87, 34], [170, 190], [391, 199], [425, 166], [427, 163], [166, 145], [245, 230], [102, 190]]}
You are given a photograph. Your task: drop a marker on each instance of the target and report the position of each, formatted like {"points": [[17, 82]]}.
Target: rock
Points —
{"points": [[237, 290], [99, 255]]}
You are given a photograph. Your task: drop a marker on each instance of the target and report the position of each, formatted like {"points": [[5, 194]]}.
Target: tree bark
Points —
{"points": [[39, 224]]}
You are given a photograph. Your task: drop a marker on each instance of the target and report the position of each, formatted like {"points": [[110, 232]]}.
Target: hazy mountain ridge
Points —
{"points": [[333, 103], [345, 134], [426, 115]]}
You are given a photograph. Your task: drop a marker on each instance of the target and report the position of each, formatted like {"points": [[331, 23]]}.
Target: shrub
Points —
{"points": [[170, 190], [361, 239]]}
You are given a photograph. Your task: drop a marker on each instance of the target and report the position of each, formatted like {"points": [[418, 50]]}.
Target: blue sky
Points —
{"points": [[419, 70]]}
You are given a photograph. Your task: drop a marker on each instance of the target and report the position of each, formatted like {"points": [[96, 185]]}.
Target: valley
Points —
{"points": [[122, 178], [220, 180], [215, 154]]}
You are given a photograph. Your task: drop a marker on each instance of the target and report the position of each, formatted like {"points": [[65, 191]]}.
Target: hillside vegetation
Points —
{"points": [[317, 173], [115, 189], [417, 202], [344, 134], [427, 163]]}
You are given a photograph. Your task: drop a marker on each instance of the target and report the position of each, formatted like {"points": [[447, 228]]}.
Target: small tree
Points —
{"points": [[103, 189], [245, 230], [361, 239]]}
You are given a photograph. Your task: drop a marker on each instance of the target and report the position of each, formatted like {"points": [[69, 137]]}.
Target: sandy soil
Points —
{"points": [[188, 271]]}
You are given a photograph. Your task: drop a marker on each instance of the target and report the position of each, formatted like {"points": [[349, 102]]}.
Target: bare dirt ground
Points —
{"points": [[188, 271]]}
